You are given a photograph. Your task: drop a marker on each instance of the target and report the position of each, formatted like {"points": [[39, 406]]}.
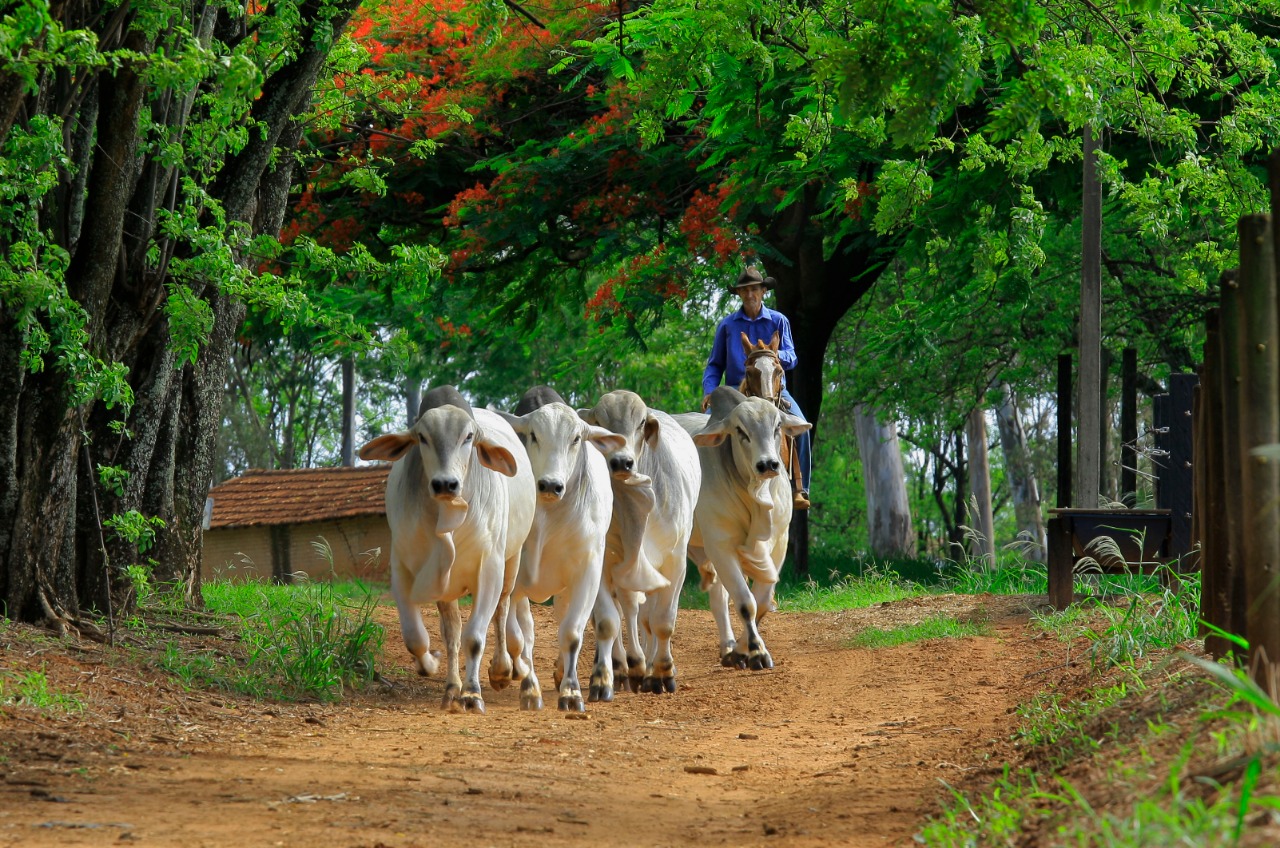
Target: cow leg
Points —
{"points": [[450, 634], [530, 690], [516, 638], [718, 600], [484, 603], [574, 608], [746, 606], [660, 621], [607, 626], [629, 608], [501, 668], [412, 629]]}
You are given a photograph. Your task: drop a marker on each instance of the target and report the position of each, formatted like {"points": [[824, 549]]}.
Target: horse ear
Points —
{"points": [[773, 343], [746, 343]]}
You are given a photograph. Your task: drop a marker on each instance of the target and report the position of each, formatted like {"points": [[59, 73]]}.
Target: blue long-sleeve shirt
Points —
{"points": [[728, 361]]}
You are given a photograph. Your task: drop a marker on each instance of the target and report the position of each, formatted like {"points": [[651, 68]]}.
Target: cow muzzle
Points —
{"points": [[621, 466], [550, 489], [445, 488], [768, 468]]}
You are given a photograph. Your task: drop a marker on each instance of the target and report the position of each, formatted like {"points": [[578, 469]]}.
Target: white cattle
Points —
{"points": [[742, 519], [655, 487], [460, 501], [564, 551]]}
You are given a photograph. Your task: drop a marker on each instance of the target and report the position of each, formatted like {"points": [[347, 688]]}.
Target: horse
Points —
{"points": [[763, 379]]}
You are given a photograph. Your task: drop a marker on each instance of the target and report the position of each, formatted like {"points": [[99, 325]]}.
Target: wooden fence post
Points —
{"points": [[1229, 423], [1129, 427], [1211, 493], [1064, 430], [1260, 425]]}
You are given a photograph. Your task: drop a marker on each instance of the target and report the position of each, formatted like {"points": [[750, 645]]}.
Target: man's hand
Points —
{"points": [[706, 401]]}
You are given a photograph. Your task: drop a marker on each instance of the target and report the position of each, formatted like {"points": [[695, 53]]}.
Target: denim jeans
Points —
{"points": [[803, 443]]}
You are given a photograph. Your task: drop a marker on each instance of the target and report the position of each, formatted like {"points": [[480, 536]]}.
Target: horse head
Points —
{"points": [[763, 375]]}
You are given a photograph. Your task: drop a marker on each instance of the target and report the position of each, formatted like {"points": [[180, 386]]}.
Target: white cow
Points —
{"points": [[655, 487], [742, 519], [460, 501], [564, 551]]}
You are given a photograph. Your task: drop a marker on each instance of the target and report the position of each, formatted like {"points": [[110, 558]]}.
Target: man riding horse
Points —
{"points": [[746, 328]]}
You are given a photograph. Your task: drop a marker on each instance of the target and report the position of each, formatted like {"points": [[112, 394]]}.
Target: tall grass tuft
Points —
{"points": [[308, 640], [31, 689]]}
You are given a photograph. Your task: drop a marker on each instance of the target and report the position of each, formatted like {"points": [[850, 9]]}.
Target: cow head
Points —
{"points": [[447, 438], [753, 427], [554, 437], [625, 414]]}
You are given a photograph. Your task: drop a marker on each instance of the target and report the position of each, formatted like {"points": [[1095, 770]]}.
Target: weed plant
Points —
{"points": [[309, 640], [31, 689], [934, 627]]}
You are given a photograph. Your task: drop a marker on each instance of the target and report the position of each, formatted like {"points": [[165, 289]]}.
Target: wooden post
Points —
{"points": [[1129, 427], [1060, 562], [1260, 425], [1160, 407], [1198, 499], [1229, 380], [1211, 491], [1178, 491], [1089, 431], [1064, 430]]}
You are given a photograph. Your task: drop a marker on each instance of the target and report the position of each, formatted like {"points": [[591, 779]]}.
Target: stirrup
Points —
{"points": [[800, 500]]}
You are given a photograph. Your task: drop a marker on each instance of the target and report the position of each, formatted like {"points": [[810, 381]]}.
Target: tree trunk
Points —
{"points": [[1020, 472], [982, 543], [348, 411], [51, 505], [413, 399], [888, 512]]}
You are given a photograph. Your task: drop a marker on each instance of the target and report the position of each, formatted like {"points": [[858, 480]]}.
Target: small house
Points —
{"points": [[282, 525]]}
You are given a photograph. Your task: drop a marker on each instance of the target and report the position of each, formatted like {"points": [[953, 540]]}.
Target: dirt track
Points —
{"points": [[835, 746]]}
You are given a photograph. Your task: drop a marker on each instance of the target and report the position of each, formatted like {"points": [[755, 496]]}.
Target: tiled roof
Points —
{"points": [[299, 495]]}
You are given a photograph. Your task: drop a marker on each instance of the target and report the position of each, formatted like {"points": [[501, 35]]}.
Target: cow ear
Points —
{"points": [[496, 458], [516, 421], [711, 435], [589, 416], [773, 343], [651, 429], [390, 447], [605, 440], [793, 426]]}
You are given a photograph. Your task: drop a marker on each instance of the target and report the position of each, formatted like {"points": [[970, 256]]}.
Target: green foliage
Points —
{"points": [[135, 528], [306, 641], [933, 627], [31, 689]]}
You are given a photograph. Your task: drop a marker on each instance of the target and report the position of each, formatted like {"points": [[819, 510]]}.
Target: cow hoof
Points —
{"points": [[668, 684], [636, 684], [530, 701], [600, 692], [572, 703], [451, 701], [499, 678], [427, 664], [733, 659], [472, 703], [761, 661]]}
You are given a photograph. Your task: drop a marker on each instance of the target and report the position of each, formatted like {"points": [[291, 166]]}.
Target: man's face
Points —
{"points": [[752, 296]]}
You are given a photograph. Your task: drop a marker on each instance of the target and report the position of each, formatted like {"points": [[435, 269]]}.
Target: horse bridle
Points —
{"points": [[779, 401]]}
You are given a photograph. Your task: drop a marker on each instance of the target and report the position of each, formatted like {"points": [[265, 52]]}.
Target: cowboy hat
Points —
{"points": [[751, 277]]}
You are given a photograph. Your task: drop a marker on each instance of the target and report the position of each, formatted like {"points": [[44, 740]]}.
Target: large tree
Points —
{"points": [[145, 145]]}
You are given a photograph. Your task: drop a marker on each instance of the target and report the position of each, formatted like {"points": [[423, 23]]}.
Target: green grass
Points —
{"points": [[934, 627], [31, 689], [303, 641]]}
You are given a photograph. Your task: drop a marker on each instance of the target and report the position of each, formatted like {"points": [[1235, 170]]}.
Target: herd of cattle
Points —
{"points": [[513, 508]]}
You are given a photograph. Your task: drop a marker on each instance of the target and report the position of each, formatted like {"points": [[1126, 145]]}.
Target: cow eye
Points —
{"points": [[533, 440], [576, 440], [468, 437], [421, 438], [742, 434]]}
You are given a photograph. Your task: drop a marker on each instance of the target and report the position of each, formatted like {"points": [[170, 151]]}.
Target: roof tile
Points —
{"points": [[296, 496]]}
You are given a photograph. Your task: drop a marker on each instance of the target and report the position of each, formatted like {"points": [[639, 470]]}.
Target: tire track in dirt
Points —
{"points": [[834, 746]]}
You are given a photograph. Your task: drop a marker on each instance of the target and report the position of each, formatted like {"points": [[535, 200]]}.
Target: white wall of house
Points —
{"points": [[361, 547]]}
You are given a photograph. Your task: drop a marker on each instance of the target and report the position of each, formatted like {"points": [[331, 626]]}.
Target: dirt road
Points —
{"points": [[834, 746]]}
